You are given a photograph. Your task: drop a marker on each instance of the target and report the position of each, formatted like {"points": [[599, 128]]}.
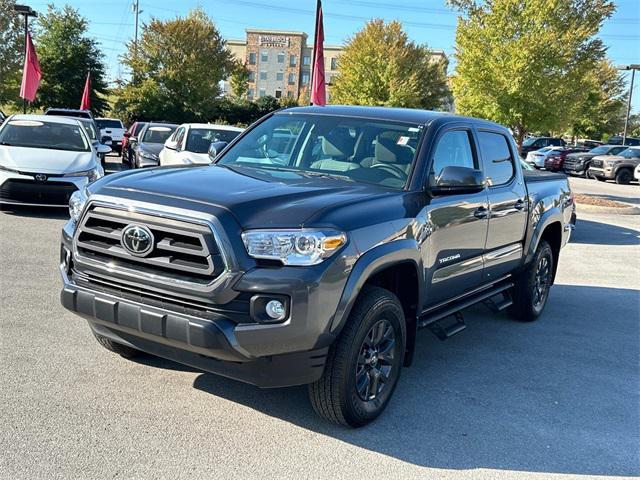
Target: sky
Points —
{"points": [[111, 22]]}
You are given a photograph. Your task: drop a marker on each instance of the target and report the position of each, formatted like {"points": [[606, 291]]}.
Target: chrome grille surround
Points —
{"points": [[161, 274]]}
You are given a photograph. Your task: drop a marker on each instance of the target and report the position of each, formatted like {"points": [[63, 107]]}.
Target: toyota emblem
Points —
{"points": [[41, 177], [137, 240]]}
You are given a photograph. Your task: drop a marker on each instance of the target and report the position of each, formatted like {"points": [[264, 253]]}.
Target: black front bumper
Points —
{"points": [[208, 345]]}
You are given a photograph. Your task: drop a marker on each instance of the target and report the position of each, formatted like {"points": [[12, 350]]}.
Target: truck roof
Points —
{"points": [[409, 115]]}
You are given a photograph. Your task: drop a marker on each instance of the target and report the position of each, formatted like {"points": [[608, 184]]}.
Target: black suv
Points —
{"points": [[315, 247], [536, 143], [578, 163]]}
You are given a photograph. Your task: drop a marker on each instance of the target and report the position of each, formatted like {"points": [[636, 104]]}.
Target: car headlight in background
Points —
{"points": [[612, 163], [148, 156], [76, 204], [293, 247], [92, 175]]}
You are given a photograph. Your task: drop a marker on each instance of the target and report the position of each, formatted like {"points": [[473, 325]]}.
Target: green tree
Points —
{"points": [[381, 66], [66, 54], [603, 107], [177, 70], [239, 79], [11, 52], [526, 64]]}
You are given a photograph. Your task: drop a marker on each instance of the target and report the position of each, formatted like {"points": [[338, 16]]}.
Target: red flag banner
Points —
{"points": [[85, 103], [318, 85], [31, 75]]}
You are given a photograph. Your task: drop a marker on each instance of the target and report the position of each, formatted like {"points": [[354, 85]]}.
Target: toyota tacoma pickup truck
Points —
{"points": [[315, 247]]}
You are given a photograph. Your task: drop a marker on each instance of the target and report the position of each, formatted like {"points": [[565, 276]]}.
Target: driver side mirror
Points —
{"points": [[215, 148], [103, 149], [455, 180], [170, 144]]}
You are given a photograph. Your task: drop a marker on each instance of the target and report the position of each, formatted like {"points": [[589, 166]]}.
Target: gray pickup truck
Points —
{"points": [[315, 247]]}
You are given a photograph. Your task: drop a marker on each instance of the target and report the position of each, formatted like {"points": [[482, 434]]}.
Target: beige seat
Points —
{"points": [[337, 149], [389, 152]]}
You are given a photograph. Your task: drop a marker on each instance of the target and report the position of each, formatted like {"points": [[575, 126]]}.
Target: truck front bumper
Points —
{"points": [[209, 345]]}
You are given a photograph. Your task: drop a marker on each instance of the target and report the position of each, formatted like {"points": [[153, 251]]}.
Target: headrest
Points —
{"points": [[338, 143], [388, 151]]}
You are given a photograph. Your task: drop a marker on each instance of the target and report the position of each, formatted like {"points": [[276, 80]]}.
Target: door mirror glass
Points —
{"points": [[215, 148], [455, 180]]}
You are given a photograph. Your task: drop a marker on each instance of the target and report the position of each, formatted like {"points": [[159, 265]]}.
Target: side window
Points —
{"points": [[179, 137], [498, 161], [453, 149]]}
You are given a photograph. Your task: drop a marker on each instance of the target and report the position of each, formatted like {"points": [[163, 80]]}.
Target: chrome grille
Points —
{"points": [[596, 163], [182, 250]]}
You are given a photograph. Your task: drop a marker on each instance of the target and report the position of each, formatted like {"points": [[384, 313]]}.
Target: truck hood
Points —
{"points": [[41, 160], [257, 198]]}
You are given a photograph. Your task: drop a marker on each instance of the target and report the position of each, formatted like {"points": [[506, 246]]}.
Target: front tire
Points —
{"points": [[363, 365], [531, 289], [122, 350], [624, 176]]}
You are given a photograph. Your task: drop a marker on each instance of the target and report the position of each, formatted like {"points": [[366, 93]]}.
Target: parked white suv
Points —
{"points": [[114, 128], [190, 143]]}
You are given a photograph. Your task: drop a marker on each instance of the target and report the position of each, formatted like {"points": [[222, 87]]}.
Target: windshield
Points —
{"points": [[199, 139], [109, 124], [157, 133], [599, 150], [90, 128], [49, 135], [630, 153], [351, 149]]}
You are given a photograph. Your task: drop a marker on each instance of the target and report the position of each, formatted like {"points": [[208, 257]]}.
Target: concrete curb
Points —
{"points": [[630, 210]]}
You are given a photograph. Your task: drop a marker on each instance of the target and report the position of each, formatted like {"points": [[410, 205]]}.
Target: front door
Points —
{"points": [[456, 224]]}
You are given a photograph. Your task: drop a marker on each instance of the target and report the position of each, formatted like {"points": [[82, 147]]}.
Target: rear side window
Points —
{"points": [[453, 149], [498, 161]]}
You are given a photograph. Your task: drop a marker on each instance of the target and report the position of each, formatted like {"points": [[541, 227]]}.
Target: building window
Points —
{"points": [[280, 76], [252, 76], [289, 94], [334, 63], [278, 93], [281, 57], [250, 94], [264, 56], [305, 78], [263, 75], [292, 79], [293, 61], [306, 60], [252, 58]]}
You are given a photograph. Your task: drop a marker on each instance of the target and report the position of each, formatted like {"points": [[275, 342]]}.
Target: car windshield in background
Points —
{"points": [[109, 124], [157, 134], [37, 134], [599, 150], [90, 128], [199, 139], [630, 153], [352, 149], [528, 141]]}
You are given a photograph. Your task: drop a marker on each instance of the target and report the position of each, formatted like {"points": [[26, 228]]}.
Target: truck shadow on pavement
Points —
{"points": [[558, 396], [589, 232]]}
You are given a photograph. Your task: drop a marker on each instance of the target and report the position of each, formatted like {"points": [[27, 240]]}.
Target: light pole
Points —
{"points": [[633, 69], [27, 11]]}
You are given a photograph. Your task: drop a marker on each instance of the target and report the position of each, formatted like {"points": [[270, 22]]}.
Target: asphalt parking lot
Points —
{"points": [[557, 398]]}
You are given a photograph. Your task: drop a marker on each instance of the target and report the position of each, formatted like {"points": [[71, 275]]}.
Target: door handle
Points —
{"points": [[481, 212], [519, 205]]}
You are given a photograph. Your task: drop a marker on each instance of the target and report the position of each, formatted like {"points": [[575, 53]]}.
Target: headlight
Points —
{"points": [[148, 156], [293, 247], [76, 204], [92, 174]]}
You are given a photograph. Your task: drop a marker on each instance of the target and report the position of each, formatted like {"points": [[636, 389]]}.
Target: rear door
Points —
{"points": [[508, 203], [456, 224]]}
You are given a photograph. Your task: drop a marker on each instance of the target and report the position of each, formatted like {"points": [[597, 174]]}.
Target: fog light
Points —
{"points": [[276, 310]]}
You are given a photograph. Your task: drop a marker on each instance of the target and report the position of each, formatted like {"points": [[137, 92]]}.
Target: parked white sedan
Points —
{"points": [[190, 143], [44, 159], [537, 157]]}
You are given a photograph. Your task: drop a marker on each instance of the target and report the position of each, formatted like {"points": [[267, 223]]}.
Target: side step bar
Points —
{"points": [[433, 319]]}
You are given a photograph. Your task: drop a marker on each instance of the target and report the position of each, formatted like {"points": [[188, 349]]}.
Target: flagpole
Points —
{"points": [[27, 12], [315, 50]]}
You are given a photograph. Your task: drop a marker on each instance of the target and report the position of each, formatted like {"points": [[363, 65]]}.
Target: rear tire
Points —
{"points": [[122, 350], [624, 176], [531, 289], [363, 365]]}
